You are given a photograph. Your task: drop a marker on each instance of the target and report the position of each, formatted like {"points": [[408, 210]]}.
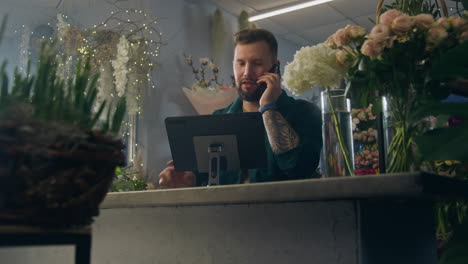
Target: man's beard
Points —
{"points": [[249, 97]]}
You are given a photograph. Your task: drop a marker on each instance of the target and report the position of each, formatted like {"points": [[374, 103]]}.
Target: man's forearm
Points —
{"points": [[281, 135]]}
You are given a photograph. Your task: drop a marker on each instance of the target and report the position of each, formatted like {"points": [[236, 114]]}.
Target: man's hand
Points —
{"points": [[273, 90], [171, 178]]}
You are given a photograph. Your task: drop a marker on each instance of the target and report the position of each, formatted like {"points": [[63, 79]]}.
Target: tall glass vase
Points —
{"points": [[130, 137], [338, 154], [398, 134]]}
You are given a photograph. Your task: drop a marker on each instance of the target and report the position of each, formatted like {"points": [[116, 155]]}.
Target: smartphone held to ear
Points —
{"points": [[274, 69]]}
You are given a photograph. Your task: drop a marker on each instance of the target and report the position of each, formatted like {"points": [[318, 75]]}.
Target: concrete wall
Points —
{"points": [[304, 232]]}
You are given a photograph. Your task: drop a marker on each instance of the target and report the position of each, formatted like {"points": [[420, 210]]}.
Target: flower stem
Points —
{"points": [[336, 124], [400, 149]]}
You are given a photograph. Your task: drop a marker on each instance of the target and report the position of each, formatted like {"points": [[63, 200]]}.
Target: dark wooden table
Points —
{"points": [[19, 235]]}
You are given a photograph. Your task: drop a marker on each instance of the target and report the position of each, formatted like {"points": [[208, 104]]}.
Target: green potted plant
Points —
{"points": [[57, 156]]}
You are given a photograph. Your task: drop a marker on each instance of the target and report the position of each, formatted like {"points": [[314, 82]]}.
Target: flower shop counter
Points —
{"points": [[364, 219], [347, 220], [400, 185]]}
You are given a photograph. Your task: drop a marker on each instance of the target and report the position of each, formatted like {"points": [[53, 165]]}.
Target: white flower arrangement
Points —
{"points": [[105, 84], [61, 27], [203, 81], [124, 47], [120, 66], [207, 93], [24, 50], [313, 66]]}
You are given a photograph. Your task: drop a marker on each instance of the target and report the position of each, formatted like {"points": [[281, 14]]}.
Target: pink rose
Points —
{"points": [[355, 31], [341, 57], [435, 35], [402, 24], [371, 48], [380, 33], [443, 21], [362, 116], [330, 42], [456, 22], [390, 41], [357, 160], [423, 21], [463, 36], [364, 171], [341, 38], [388, 17]]}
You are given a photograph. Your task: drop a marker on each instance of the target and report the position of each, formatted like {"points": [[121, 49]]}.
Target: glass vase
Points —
{"points": [[338, 153], [398, 136]]}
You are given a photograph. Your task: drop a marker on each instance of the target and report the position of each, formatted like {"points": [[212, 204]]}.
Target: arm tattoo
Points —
{"points": [[281, 135]]}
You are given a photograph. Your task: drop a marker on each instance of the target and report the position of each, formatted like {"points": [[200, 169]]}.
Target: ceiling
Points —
{"points": [[310, 25], [302, 27]]}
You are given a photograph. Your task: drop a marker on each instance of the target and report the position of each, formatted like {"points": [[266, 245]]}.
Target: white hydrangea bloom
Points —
{"points": [[120, 66], [313, 66]]}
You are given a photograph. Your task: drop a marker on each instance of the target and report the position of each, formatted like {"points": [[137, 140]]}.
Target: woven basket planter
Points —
{"points": [[54, 175]]}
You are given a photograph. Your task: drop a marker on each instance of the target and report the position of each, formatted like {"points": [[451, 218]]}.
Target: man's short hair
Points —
{"points": [[248, 36]]}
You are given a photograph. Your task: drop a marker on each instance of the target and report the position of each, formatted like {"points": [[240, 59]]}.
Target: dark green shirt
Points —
{"points": [[298, 163]]}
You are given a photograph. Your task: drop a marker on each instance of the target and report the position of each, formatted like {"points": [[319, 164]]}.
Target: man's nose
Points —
{"points": [[248, 70]]}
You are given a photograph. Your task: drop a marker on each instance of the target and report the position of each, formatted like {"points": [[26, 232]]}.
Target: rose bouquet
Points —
{"points": [[366, 158], [412, 61], [367, 161]]}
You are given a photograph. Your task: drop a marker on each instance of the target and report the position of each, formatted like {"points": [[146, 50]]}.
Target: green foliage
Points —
{"points": [[123, 183], [464, 3], [2, 28], [218, 36], [444, 143], [453, 64], [449, 143], [456, 252], [244, 22], [54, 100], [119, 115]]}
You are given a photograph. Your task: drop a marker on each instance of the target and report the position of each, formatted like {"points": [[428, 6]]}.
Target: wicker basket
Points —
{"points": [[378, 12], [54, 175]]}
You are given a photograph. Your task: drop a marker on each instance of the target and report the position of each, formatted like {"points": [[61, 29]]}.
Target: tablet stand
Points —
{"points": [[217, 162], [215, 154]]}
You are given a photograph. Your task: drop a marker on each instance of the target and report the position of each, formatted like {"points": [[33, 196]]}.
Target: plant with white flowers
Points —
{"points": [[313, 66], [120, 66]]}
